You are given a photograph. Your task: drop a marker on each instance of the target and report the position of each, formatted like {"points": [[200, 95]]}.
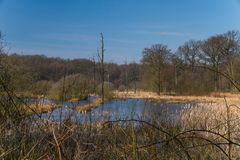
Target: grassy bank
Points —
{"points": [[211, 98]]}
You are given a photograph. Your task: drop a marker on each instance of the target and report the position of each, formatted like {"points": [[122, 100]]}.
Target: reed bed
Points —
{"points": [[39, 108], [97, 102], [218, 122], [211, 98], [201, 131]]}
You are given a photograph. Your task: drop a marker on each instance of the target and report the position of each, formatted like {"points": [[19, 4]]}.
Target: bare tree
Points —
{"points": [[126, 76], [133, 74], [231, 50], [101, 59], [212, 55], [2, 44], [190, 52], [156, 58], [94, 74], [176, 62]]}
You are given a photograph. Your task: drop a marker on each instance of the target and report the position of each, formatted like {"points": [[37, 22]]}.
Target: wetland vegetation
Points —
{"points": [[177, 98], [161, 108]]}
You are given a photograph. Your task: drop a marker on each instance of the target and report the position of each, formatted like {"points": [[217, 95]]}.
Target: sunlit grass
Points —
{"points": [[97, 102], [39, 108], [151, 96], [74, 100]]}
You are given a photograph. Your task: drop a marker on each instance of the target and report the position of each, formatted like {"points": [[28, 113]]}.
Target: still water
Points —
{"points": [[115, 109]]}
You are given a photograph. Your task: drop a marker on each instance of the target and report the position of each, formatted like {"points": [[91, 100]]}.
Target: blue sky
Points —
{"points": [[70, 28]]}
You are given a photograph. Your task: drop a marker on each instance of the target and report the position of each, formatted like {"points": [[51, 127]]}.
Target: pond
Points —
{"points": [[116, 109]]}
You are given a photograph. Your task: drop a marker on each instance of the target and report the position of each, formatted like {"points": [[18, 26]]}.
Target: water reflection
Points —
{"points": [[116, 109]]}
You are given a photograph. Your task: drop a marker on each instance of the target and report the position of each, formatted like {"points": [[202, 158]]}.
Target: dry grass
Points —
{"points": [[224, 94], [73, 100], [210, 115], [27, 94], [97, 102], [212, 98], [39, 108], [219, 118], [122, 139]]}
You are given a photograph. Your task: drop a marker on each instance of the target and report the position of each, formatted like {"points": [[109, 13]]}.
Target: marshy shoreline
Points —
{"points": [[213, 98], [218, 98]]}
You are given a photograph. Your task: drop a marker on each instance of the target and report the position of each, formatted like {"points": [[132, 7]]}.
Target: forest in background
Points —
{"points": [[203, 131], [194, 69]]}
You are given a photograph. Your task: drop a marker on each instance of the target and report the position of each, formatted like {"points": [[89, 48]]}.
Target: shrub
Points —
{"points": [[72, 86], [41, 87], [121, 88], [108, 90]]}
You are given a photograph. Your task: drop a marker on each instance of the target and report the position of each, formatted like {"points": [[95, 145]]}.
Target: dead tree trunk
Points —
{"points": [[101, 59]]}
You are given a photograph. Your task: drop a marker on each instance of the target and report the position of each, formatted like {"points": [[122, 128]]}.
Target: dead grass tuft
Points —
{"points": [[97, 102], [39, 108]]}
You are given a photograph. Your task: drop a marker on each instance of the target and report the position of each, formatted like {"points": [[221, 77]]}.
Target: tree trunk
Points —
{"points": [[102, 65]]}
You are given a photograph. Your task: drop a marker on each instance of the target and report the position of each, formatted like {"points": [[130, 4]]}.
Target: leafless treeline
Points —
{"points": [[196, 65], [209, 65]]}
